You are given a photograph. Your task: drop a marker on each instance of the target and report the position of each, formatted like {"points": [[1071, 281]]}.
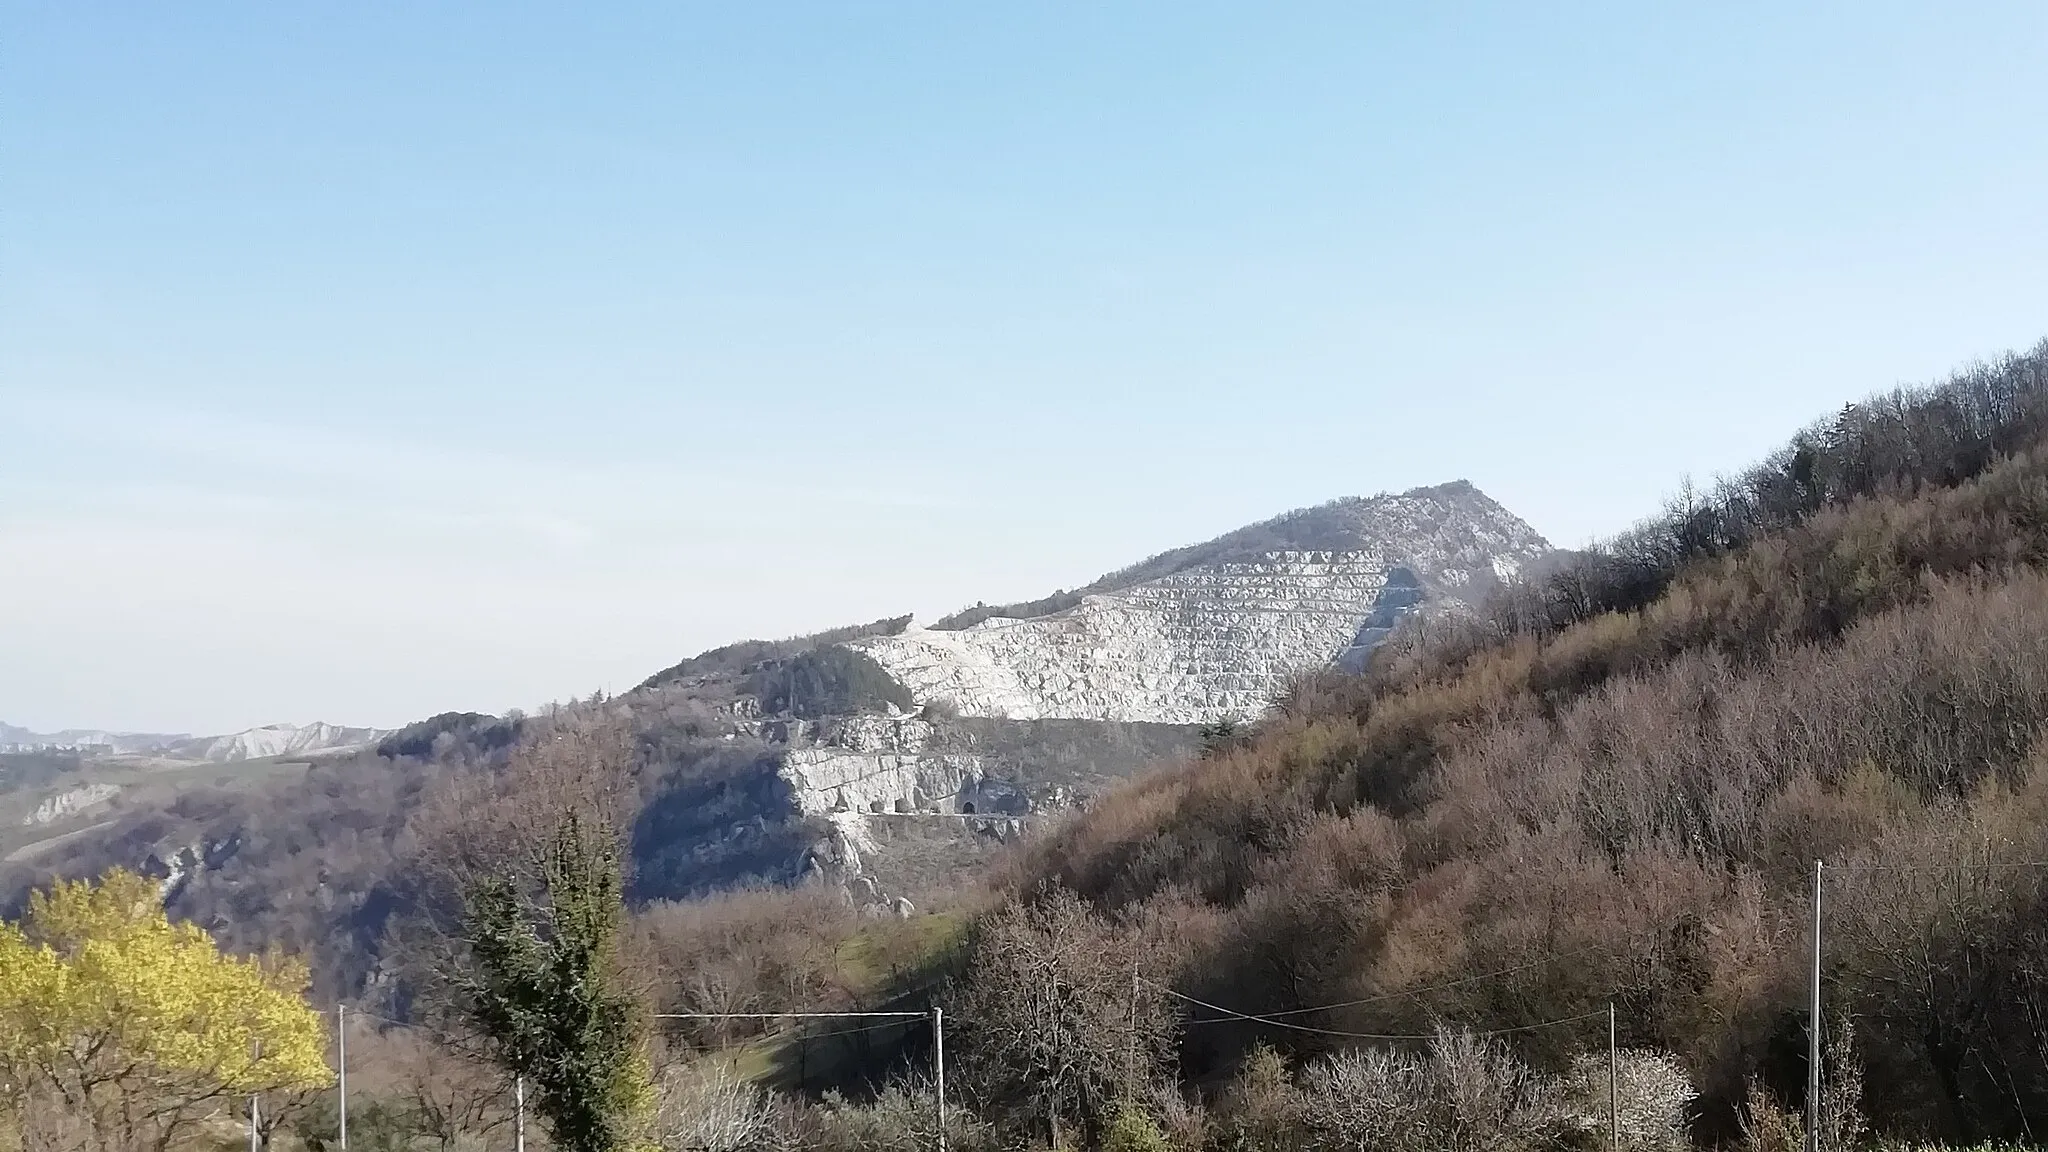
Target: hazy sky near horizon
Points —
{"points": [[359, 362]]}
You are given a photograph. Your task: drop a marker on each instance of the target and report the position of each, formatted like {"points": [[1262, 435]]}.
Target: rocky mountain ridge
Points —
{"points": [[14, 739]]}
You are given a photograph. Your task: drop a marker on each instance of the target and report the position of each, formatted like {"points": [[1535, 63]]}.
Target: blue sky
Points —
{"points": [[360, 362]]}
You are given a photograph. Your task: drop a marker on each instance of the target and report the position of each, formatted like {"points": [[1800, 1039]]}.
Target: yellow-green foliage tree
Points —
{"points": [[121, 1031]]}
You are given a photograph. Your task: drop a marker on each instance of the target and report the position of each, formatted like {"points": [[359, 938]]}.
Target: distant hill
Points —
{"points": [[746, 655], [249, 744], [13, 739]]}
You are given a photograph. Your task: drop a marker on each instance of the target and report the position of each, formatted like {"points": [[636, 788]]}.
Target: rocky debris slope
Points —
{"points": [[1218, 634]]}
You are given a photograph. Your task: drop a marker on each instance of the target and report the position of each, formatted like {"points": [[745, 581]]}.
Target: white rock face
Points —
{"points": [[66, 804], [280, 740], [850, 843], [1218, 639], [876, 768], [878, 765]]}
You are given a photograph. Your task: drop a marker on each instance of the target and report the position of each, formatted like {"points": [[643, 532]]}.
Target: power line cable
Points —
{"points": [[886, 1024], [1428, 988], [1233, 1014], [1957, 867], [925, 1015], [890, 1020]]}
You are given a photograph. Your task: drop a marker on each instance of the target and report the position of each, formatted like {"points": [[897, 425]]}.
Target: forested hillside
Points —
{"points": [[315, 856], [318, 856], [1613, 786]]}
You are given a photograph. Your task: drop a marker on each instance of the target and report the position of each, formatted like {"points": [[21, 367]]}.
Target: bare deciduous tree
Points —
{"points": [[1053, 1029]]}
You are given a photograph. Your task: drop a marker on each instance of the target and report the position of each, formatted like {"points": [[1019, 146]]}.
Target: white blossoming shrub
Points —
{"points": [[706, 1107], [1466, 1093], [901, 1118], [1373, 1098], [1653, 1095]]}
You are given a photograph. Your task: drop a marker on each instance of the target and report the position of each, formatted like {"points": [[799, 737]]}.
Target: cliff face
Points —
{"points": [[877, 765], [1221, 628], [894, 766]]}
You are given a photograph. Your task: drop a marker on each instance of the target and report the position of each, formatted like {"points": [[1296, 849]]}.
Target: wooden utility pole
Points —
{"points": [[341, 1062], [1131, 1040], [1613, 1085], [255, 1106], [1813, 1028], [939, 1062]]}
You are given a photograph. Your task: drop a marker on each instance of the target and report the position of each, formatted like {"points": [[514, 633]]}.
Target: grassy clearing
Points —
{"points": [[887, 966], [891, 959]]}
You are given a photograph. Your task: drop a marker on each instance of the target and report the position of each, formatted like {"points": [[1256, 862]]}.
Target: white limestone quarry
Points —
{"points": [[1221, 638], [184, 863], [1194, 646]]}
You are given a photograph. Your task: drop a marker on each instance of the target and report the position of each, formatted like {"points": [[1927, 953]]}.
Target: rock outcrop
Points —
{"points": [[876, 765], [68, 803]]}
